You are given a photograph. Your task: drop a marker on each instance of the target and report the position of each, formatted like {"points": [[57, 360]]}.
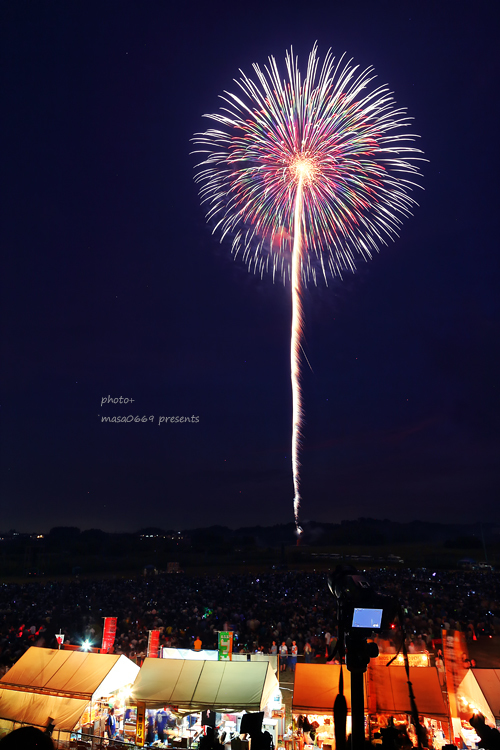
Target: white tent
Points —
{"points": [[47, 682], [480, 690], [32, 708], [190, 686]]}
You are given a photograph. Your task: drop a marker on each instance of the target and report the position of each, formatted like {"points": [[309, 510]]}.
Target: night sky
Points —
{"points": [[112, 284]]}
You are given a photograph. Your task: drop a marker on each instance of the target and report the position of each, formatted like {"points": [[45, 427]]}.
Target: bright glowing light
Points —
{"points": [[306, 176], [86, 645]]}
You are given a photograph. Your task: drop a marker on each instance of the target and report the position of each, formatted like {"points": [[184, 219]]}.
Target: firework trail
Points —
{"points": [[304, 176]]}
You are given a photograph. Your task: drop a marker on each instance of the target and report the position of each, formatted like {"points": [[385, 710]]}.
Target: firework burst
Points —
{"points": [[304, 176]]}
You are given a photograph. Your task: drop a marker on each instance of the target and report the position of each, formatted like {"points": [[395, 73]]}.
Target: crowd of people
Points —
{"points": [[290, 608]]}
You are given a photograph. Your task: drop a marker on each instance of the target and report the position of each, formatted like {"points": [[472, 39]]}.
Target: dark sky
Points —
{"points": [[112, 283]]}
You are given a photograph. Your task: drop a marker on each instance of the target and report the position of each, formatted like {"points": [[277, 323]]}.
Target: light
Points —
{"points": [[304, 168], [86, 646]]}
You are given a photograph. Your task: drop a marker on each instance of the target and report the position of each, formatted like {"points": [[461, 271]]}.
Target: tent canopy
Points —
{"points": [[32, 708], [189, 686], [388, 691], [482, 688], [74, 673], [317, 686]]}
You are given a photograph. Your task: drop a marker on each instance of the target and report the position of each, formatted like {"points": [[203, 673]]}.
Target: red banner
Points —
{"points": [[153, 643], [108, 634]]}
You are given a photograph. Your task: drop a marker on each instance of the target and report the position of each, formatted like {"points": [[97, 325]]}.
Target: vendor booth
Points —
{"points": [[185, 689], [388, 695], [315, 690], [480, 691], [71, 689], [385, 695]]}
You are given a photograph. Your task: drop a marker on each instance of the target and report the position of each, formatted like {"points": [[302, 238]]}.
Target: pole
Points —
{"points": [[357, 710]]}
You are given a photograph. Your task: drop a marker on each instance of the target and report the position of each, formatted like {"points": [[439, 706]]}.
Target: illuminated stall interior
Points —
{"points": [[479, 692], [316, 687], [184, 688], [73, 689], [388, 695]]}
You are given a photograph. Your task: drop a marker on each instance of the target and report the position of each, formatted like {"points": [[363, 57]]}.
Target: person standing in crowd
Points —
{"points": [[274, 649], [161, 723], [439, 662], [308, 653], [283, 656], [197, 644], [293, 659], [110, 725], [150, 728]]}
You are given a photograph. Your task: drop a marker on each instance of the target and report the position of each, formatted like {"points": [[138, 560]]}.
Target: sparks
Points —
{"points": [[305, 176]]}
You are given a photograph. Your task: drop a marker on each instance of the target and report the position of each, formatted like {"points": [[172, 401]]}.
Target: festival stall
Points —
{"points": [[70, 689], [388, 696], [184, 688], [315, 690], [479, 691]]}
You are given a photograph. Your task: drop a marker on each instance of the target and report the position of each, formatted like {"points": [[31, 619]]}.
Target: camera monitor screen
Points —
{"points": [[366, 618]]}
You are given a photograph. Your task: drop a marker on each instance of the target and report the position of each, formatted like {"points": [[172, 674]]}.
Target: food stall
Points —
{"points": [[71, 689], [388, 695], [316, 687], [479, 692], [184, 688]]}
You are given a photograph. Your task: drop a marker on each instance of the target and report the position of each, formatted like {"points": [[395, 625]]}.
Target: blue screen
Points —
{"points": [[366, 618]]}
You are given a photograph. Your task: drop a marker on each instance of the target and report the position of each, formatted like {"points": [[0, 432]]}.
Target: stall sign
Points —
{"points": [[141, 724], [225, 645], [108, 634], [153, 643], [414, 660]]}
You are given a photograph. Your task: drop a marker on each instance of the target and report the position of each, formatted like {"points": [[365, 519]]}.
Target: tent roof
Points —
{"points": [[189, 686], [482, 687], [32, 708], [388, 691], [75, 673], [317, 686]]}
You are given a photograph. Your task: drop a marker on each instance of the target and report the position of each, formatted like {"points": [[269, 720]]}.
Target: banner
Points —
{"points": [[225, 645], [141, 724], [108, 634], [153, 644]]}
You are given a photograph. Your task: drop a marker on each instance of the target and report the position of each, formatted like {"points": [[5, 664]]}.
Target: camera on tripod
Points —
{"points": [[360, 611]]}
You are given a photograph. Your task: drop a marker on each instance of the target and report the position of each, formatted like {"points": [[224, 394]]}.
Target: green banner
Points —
{"points": [[225, 645]]}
